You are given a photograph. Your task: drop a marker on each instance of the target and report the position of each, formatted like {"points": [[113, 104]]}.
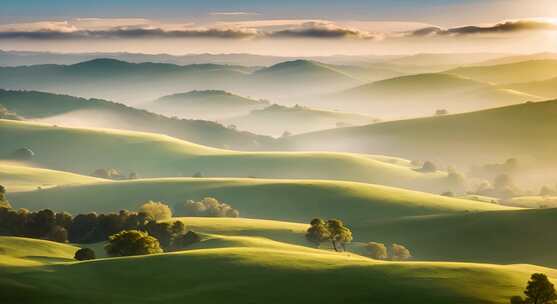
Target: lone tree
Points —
{"points": [[156, 210], [84, 254], [317, 232], [538, 291], [377, 251], [399, 253], [339, 234], [132, 242]]}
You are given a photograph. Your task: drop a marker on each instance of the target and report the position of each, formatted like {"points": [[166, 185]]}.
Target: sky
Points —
{"points": [[286, 27]]}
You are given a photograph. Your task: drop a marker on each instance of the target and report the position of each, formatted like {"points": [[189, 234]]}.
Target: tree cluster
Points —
{"points": [[379, 251], [332, 230], [207, 207], [114, 174]]}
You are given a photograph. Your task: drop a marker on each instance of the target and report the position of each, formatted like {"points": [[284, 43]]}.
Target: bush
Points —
{"points": [[399, 253], [207, 207], [132, 242], [156, 210], [85, 254], [377, 251]]}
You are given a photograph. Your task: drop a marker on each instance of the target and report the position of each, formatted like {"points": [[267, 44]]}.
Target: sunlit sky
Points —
{"points": [[287, 27]]}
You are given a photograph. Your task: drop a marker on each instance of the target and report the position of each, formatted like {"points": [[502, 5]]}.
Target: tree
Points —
{"points": [[84, 254], [377, 251], [207, 207], [187, 239], [339, 234], [400, 253], [58, 234], [539, 290], [4, 203], [197, 175], [441, 112], [132, 242], [156, 210], [317, 233], [428, 167]]}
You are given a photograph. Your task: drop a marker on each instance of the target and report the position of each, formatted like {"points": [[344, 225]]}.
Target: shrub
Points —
{"points": [[207, 207], [399, 253], [84, 254], [377, 251], [156, 210], [132, 242]]}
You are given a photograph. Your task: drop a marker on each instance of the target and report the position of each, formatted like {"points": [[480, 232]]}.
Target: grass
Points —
{"points": [[20, 177], [149, 155], [239, 274], [291, 200]]}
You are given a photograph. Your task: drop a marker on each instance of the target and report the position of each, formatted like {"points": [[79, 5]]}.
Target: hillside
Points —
{"points": [[80, 112], [290, 200], [276, 119], [545, 88], [18, 177], [422, 95], [523, 131], [150, 155], [246, 272], [526, 71], [209, 104], [15, 251]]}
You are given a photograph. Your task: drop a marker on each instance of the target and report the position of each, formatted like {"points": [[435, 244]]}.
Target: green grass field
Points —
{"points": [[149, 155], [291, 200], [19, 177], [255, 271]]}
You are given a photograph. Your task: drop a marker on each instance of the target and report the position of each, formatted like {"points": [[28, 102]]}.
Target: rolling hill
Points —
{"points": [[523, 131], [209, 104], [150, 155], [239, 274], [422, 95], [18, 177], [288, 200], [80, 112], [276, 119], [545, 88], [526, 71]]}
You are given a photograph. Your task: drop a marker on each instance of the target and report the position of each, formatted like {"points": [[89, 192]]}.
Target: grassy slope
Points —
{"points": [[291, 200], [17, 177], [525, 131], [422, 94], [526, 71], [15, 251], [545, 88], [74, 111], [270, 120], [84, 150], [241, 274]]}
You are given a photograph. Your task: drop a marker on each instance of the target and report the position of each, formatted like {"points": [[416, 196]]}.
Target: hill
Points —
{"points": [[271, 120], [289, 200], [16, 177], [240, 274], [80, 112], [15, 251], [150, 155], [422, 95], [208, 104], [526, 71], [546, 88], [522, 131]]}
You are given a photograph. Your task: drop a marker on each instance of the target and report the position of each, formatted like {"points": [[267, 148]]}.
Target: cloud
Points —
{"points": [[322, 30], [505, 27], [232, 13]]}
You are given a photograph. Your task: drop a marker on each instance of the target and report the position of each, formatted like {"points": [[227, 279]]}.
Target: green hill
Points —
{"points": [[80, 112], [150, 155], [244, 274], [270, 120], [422, 95], [15, 251], [18, 177], [208, 104], [523, 131], [290, 200], [526, 71]]}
